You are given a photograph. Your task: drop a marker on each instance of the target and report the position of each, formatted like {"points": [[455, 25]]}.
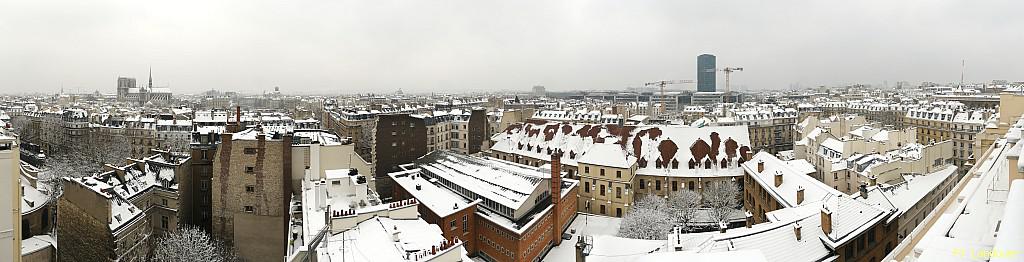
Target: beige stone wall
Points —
{"points": [[263, 171], [93, 241], [44, 255], [617, 184]]}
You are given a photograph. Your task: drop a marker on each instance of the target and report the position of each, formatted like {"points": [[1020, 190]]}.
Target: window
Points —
{"points": [[602, 210], [452, 224], [249, 209], [250, 151], [163, 201], [691, 185], [618, 173], [586, 187], [657, 184], [204, 185], [250, 169], [163, 222], [465, 224], [618, 192], [204, 154], [618, 212], [586, 169], [250, 189], [871, 237], [675, 186], [642, 184], [602, 192], [602, 172]]}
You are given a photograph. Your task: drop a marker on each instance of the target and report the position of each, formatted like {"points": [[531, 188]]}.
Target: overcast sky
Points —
{"points": [[459, 46]]}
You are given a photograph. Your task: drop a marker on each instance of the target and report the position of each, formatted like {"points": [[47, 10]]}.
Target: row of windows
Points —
{"points": [[501, 249]]}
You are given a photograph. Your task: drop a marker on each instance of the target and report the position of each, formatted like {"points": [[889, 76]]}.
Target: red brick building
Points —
{"points": [[503, 211]]}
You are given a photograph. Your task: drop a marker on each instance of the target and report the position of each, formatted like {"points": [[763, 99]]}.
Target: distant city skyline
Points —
{"points": [[471, 46]]}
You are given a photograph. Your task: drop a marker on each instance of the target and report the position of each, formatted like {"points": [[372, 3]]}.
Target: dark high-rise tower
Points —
{"points": [[706, 73]]}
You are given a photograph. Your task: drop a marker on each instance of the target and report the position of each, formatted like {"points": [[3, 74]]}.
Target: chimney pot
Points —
{"points": [[760, 166]]}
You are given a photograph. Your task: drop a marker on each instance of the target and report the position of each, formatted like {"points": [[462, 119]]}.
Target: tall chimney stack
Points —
{"points": [[778, 178], [800, 195], [556, 195], [760, 166], [238, 116], [750, 219], [796, 230], [826, 220]]}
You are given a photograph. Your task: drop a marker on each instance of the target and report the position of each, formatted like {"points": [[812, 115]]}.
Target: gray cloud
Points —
{"points": [[426, 46]]}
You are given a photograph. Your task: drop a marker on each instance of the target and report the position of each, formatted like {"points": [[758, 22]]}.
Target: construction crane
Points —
{"points": [[729, 70], [662, 85]]}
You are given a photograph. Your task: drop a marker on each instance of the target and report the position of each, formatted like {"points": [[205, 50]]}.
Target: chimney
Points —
{"points": [[863, 191], [778, 178], [238, 115], [873, 181], [581, 246], [799, 195], [556, 195], [826, 220], [750, 219], [760, 166], [722, 226], [796, 231]]}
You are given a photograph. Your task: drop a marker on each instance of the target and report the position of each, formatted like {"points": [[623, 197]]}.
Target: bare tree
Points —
{"points": [[683, 205], [191, 244], [648, 218], [720, 198]]}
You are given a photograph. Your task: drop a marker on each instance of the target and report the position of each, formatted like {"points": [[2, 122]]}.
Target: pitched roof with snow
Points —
{"points": [[792, 180], [656, 149]]}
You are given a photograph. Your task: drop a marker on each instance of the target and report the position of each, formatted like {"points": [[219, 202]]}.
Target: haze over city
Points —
{"points": [[344, 47]]}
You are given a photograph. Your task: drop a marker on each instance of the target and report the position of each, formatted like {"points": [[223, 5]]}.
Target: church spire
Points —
{"points": [[150, 86]]}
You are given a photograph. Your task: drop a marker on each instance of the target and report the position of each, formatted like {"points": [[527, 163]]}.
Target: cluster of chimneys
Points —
{"points": [[403, 203], [343, 213], [445, 245]]}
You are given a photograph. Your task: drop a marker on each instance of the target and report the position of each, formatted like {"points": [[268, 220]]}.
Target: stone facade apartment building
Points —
{"points": [[116, 215], [770, 129], [503, 211], [941, 122], [54, 130], [10, 199], [850, 229], [671, 158]]}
